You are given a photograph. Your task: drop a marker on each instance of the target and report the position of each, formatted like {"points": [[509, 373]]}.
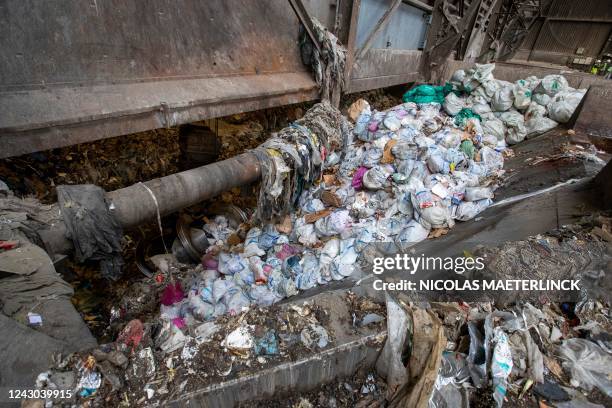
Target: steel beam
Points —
{"points": [[306, 20]]}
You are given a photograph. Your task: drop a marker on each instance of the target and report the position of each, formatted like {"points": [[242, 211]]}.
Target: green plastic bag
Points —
{"points": [[463, 115], [467, 147], [427, 93]]}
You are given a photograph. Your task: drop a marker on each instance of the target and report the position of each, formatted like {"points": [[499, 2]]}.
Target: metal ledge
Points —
{"points": [[55, 117]]}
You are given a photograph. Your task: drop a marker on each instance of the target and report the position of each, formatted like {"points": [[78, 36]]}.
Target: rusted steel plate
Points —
{"points": [[39, 120], [75, 71]]}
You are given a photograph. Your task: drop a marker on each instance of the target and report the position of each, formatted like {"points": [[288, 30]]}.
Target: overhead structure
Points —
{"points": [[88, 71]]}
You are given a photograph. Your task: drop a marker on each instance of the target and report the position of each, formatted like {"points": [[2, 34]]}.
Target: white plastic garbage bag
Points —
{"points": [[412, 234], [377, 177], [563, 105], [588, 364], [522, 96], [336, 223], [448, 137], [477, 75], [552, 84], [541, 99], [479, 104], [503, 98], [493, 159], [392, 122], [453, 104], [466, 210], [489, 88], [436, 217], [361, 126], [494, 127], [515, 127], [477, 193], [539, 125], [535, 110], [311, 271], [501, 365], [457, 79]]}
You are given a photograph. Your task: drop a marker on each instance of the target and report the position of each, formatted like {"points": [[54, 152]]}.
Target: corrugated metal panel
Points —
{"points": [[406, 29], [587, 10], [531, 36], [566, 37]]}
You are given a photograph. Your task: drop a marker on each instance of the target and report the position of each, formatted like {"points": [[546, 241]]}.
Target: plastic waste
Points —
{"points": [[587, 363], [448, 137], [361, 126], [467, 210], [89, 382], [503, 98], [412, 234], [240, 341], [267, 344], [423, 94], [447, 392], [357, 182], [488, 89], [493, 159], [480, 73], [314, 336], [467, 147], [337, 222], [453, 104], [541, 99], [494, 127], [205, 332], [310, 271], [551, 85], [535, 111], [515, 127], [477, 193], [312, 206], [305, 233], [372, 157], [522, 96], [376, 178], [457, 79], [563, 104], [539, 125], [399, 328], [480, 104], [172, 294], [501, 365], [464, 115], [392, 122]]}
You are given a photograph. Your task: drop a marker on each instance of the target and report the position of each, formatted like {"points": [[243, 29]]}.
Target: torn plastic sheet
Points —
{"points": [[95, 233], [588, 364]]}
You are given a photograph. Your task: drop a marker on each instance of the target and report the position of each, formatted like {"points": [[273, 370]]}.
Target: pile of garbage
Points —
{"points": [[330, 189], [508, 111], [153, 362], [531, 355], [410, 171]]}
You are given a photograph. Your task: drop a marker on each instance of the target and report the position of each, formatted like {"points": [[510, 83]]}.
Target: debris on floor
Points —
{"points": [[109, 163], [363, 390], [329, 189]]}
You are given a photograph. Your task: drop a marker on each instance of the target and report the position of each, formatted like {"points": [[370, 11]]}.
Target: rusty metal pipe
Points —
{"points": [[140, 202]]}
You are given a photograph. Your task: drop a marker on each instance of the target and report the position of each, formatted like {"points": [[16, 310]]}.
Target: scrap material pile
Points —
{"points": [[413, 170], [462, 355], [509, 111]]}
